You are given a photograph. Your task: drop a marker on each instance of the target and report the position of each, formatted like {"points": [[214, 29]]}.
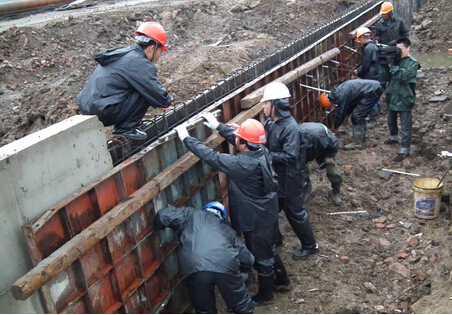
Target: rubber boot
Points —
{"points": [[306, 236], [357, 139], [282, 282], [266, 282], [336, 196], [374, 116]]}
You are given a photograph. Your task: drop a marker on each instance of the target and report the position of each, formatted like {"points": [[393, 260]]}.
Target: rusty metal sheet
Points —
{"points": [[96, 262]]}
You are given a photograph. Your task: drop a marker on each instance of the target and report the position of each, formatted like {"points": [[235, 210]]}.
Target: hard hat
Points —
{"points": [[324, 101], [275, 91], [386, 7], [361, 31], [217, 208], [252, 131], [154, 31]]}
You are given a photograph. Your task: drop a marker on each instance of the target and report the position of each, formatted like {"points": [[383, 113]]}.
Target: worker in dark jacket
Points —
{"points": [[252, 194], [401, 97], [369, 68], [125, 83], [356, 98], [389, 29], [320, 144], [284, 142], [211, 255]]}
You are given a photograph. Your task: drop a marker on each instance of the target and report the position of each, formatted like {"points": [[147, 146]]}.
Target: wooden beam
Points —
{"points": [[368, 23], [255, 97]]}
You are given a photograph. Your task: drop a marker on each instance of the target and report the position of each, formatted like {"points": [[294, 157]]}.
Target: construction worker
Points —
{"points": [[356, 98], [125, 83], [320, 144], [387, 30], [401, 97], [211, 255], [369, 68], [284, 142], [252, 194]]}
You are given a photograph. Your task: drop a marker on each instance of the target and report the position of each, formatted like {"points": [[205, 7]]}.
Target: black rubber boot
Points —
{"points": [[336, 195], [305, 252], [282, 282], [265, 293]]}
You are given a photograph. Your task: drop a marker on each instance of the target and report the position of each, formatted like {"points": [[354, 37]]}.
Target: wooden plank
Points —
{"points": [[368, 23], [255, 97]]}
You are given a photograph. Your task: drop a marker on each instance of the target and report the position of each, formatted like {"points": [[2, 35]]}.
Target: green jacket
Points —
{"points": [[400, 95]]}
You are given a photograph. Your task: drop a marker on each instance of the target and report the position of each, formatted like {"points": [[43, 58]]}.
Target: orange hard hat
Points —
{"points": [[324, 101], [251, 130], [153, 30], [386, 7], [361, 31]]}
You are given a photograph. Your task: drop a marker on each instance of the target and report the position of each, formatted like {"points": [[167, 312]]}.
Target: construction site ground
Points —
{"points": [[385, 261]]}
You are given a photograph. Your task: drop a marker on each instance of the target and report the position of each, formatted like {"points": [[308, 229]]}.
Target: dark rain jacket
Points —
{"points": [[252, 184], [318, 142], [207, 243], [392, 29], [355, 97], [284, 142], [369, 67], [123, 77], [400, 95]]}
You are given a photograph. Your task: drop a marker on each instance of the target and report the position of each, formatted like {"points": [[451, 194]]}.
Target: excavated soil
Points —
{"points": [[386, 261]]}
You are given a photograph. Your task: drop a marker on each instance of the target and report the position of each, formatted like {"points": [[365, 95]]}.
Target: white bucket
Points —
{"points": [[427, 198]]}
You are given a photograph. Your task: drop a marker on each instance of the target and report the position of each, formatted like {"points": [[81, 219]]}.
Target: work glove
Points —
{"points": [[211, 122], [182, 132]]}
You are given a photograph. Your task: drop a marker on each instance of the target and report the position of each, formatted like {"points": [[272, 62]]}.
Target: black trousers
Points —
{"points": [[201, 290], [261, 243], [125, 116]]}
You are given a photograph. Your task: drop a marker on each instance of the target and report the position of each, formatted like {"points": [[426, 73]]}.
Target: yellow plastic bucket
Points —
{"points": [[427, 198]]}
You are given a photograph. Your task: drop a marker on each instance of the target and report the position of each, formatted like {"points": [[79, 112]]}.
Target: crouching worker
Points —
{"points": [[125, 83], [252, 193], [211, 255], [356, 98], [321, 144]]}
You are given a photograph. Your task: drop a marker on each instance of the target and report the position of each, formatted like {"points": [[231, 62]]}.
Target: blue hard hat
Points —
{"points": [[218, 208]]}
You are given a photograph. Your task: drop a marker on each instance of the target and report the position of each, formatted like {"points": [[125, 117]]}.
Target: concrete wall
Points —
{"points": [[37, 172]]}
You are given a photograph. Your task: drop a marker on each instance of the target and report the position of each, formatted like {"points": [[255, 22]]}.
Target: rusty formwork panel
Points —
{"points": [[134, 269]]}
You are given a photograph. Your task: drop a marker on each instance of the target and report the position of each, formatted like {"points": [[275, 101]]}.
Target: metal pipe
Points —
{"points": [[8, 7], [314, 88]]}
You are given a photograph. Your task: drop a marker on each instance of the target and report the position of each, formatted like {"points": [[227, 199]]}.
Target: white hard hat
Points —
{"points": [[275, 91]]}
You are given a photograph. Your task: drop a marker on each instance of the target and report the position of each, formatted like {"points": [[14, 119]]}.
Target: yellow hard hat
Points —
{"points": [[386, 7]]}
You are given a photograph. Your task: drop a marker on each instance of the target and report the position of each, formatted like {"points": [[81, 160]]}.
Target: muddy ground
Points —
{"points": [[395, 263]]}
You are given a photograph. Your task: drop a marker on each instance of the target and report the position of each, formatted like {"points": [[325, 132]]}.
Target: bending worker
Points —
{"points": [[284, 142], [211, 255], [320, 144], [252, 188], [356, 98], [125, 83]]}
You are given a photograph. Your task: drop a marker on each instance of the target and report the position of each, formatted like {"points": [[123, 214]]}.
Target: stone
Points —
{"points": [[383, 242], [420, 275], [400, 269], [413, 242], [389, 260], [403, 255], [380, 226], [385, 175], [345, 259]]}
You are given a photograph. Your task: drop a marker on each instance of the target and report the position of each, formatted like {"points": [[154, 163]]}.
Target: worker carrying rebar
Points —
{"points": [[125, 83], [252, 194], [211, 255], [284, 143], [321, 145], [355, 98], [369, 68]]}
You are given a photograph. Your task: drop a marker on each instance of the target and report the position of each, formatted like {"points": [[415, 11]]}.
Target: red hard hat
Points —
{"points": [[252, 131], [153, 30], [324, 101]]}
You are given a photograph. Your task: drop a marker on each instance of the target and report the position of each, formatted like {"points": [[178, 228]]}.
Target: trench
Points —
{"points": [[116, 262]]}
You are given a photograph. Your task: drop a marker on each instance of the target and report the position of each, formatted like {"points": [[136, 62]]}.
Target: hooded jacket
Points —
{"points": [[360, 94], [318, 142], [284, 142], [124, 76], [252, 183], [369, 67], [400, 95], [207, 243], [391, 29]]}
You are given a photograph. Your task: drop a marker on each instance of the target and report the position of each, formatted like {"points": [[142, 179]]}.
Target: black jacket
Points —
{"points": [[252, 184], [389, 30], [369, 67], [207, 243], [124, 76], [283, 142], [318, 141], [357, 93]]}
